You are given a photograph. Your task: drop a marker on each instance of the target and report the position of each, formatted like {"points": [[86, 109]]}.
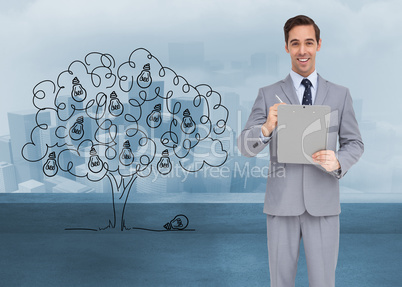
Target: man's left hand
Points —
{"points": [[327, 159]]}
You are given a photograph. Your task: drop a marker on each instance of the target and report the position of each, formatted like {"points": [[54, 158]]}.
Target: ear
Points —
{"points": [[286, 48], [319, 45]]}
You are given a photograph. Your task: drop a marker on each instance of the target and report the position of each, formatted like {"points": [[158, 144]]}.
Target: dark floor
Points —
{"points": [[227, 248]]}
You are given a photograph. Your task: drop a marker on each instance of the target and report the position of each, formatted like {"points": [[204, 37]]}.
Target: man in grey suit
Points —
{"points": [[302, 200]]}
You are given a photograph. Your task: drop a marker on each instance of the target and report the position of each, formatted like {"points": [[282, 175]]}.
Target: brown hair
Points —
{"points": [[300, 20]]}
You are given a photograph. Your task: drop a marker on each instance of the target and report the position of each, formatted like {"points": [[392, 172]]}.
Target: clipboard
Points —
{"points": [[301, 131]]}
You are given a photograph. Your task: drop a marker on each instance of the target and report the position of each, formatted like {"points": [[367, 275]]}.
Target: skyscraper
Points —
{"points": [[21, 125], [232, 103], [152, 96], [47, 136], [31, 186], [258, 63], [5, 149], [8, 182]]}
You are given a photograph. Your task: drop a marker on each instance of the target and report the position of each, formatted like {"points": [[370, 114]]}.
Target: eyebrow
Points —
{"points": [[297, 40]]}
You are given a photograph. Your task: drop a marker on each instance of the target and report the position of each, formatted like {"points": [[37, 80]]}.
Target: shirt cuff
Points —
{"points": [[264, 139], [337, 173]]}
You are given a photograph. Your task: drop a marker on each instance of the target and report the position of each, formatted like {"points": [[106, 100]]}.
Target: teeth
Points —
{"points": [[303, 60]]}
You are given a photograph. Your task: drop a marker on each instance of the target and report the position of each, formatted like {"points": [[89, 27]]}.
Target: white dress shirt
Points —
{"points": [[299, 89]]}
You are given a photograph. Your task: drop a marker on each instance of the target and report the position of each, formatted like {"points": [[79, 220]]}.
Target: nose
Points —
{"points": [[302, 49]]}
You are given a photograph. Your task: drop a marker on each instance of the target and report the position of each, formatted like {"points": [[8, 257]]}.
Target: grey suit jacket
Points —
{"points": [[294, 188]]}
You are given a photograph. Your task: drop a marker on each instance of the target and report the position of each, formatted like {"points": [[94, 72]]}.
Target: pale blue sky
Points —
{"points": [[360, 43], [360, 49]]}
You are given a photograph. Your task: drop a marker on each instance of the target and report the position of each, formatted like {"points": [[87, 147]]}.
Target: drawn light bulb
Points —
{"points": [[115, 106], [95, 164], [78, 93], [164, 165], [50, 167], [179, 222], [187, 125], [77, 130], [144, 79], [126, 155], [154, 119]]}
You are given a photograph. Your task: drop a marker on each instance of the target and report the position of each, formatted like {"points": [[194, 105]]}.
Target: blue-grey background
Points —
{"points": [[236, 47]]}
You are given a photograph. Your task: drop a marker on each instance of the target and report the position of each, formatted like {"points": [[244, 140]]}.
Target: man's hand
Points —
{"points": [[272, 120], [327, 159]]}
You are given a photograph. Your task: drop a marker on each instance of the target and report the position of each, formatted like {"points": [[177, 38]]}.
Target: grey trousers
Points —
{"points": [[321, 246]]}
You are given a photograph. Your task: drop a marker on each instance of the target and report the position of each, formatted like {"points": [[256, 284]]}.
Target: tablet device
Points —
{"points": [[301, 131]]}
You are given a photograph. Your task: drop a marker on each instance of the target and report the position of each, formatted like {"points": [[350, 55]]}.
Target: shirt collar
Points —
{"points": [[296, 78]]}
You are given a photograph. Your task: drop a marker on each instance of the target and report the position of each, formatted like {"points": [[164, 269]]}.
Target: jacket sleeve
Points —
{"points": [[249, 141], [351, 145]]}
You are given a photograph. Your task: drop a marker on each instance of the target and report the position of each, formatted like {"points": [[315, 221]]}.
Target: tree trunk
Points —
{"points": [[120, 192]]}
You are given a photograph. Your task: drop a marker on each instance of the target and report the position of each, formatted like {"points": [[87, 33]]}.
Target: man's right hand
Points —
{"points": [[272, 120]]}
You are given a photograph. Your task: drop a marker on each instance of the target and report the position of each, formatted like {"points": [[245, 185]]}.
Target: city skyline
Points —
{"points": [[238, 115], [356, 52], [64, 122]]}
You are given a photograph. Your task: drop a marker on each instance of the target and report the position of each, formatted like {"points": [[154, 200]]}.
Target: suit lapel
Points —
{"points": [[289, 90], [322, 91]]}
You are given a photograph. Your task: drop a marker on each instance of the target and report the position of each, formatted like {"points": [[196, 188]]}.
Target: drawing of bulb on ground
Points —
{"points": [[154, 119], [187, 125], [95, 164], [115, 106], [144, 79], [164, 165], [126, 155], [179, 222], [77, 130], [78, 93], [50, 167]]}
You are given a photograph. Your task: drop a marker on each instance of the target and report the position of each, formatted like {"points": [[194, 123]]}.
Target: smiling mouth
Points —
{"points": [[303, 60]]}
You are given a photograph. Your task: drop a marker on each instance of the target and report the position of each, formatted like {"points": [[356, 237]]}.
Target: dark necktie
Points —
{"points": [[307, 92]]}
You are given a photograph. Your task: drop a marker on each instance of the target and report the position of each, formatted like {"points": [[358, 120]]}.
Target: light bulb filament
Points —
{"points": [[188, 125], [154, 118], [115, 107], [164, 164], [78, 91], [76, 130], [50, 166], [145, 76], [95, 163]]}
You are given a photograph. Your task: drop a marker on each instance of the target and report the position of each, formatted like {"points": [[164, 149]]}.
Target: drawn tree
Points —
{"points": [[99, 121]]}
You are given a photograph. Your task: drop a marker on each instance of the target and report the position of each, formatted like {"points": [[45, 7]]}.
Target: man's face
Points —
{"points": [[302, 47]]}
